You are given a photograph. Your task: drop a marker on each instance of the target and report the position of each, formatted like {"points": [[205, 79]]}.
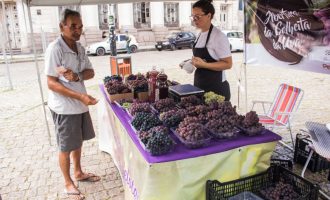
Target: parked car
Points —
{"points": [[101, 48], [176, 40], [236, 40]]}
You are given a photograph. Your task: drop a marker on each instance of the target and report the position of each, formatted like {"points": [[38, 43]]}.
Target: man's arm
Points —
{"points": [[54, 85]]}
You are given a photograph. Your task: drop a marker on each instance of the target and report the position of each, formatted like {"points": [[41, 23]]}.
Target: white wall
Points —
{"points": [[125, 15], [90, 16], [157, 14], [184, 13]]}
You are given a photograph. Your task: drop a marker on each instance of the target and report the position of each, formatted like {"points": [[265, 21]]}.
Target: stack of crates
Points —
{"points": [[301, 152], [120, 65]]}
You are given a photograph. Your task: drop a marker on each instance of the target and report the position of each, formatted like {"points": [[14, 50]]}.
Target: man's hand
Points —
{"points": [[71, 76], [88, 100], [68, 74]]}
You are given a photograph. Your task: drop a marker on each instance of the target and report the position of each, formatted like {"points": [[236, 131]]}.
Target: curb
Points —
{"points": [[30, 57]]}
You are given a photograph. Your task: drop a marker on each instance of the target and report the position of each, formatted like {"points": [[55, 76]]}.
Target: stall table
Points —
{"points": [[182, 173]]}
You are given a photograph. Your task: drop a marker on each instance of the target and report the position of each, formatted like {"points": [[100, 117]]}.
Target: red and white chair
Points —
{"points": [[282, 109]]}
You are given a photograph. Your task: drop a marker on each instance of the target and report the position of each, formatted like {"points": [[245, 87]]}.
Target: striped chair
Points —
{"points": [[282, 109]]}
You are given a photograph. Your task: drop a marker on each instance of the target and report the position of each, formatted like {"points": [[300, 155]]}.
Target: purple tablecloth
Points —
{"points": [[180, 151]]}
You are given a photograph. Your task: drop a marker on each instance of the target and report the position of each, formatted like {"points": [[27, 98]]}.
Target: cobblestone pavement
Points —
{"points": [[28, 164]]}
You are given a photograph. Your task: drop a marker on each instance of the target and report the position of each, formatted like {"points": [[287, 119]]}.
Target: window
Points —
{"points": [[171, 14], [38, 11], [122, 37], [141, 15]]}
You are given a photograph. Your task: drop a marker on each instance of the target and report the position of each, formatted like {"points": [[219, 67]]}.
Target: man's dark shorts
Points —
{"points": [[71, 130]]}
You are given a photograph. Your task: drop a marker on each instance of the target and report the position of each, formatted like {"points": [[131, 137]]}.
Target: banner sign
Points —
{"points": [[290, 33]]}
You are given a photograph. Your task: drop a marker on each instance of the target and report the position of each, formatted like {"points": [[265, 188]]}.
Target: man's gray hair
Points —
{"points": [[67, 13]]}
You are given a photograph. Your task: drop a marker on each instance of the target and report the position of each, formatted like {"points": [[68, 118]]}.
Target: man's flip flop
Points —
{"points": [[74, 194], [89, 177]]}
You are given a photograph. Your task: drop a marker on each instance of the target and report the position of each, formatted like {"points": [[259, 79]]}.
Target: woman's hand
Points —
{"points": [[198, 62]]}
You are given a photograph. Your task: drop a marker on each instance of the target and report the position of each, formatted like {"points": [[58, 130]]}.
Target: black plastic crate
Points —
{"points": [[305, 189], [301, 152], [281, 162]]}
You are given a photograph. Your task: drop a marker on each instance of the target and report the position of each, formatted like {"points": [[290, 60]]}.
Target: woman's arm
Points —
{"points": [[222, 64]]}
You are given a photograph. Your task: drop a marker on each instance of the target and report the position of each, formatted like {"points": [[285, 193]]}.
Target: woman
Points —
{"points": [[211, 52]]}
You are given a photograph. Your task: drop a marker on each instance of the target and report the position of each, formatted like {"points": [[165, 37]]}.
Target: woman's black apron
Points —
{"points": [[206, 79]]}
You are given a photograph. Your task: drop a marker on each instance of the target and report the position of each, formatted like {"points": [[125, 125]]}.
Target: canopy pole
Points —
{"points": [[244, 65], [38, 74]]}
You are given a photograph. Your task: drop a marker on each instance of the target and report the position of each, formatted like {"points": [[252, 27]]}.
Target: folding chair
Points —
{"points": [[282, 109]]}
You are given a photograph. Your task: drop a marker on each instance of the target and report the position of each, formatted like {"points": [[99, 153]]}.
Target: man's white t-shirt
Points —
{"points": [[59, 54], [218, 45]]}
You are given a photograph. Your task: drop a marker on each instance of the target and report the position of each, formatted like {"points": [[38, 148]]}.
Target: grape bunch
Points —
{"points": [[137, 83], [214, 114], [139, 118], [145, 135], [192, 132], [156, 140], [197, 110], [172, 118], [222, 128], [251, 124], [281, 191], [113, 78], [150, 122], [191, 100], [164, 105], [116, 87], [139, 107], [144, 121], [226, 108], [210, 97]]}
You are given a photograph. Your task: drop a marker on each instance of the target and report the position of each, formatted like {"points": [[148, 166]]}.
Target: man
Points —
{"points": [[66, 67], [128, 40]]}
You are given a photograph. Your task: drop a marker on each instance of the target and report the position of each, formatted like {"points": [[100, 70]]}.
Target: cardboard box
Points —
{"points": [[117, 97], [143, 96]]}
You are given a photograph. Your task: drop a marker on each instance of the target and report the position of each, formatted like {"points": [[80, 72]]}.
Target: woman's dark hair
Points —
{"points": [[206, 6], [67, 13]]}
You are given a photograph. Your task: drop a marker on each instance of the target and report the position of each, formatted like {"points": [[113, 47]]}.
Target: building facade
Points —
{"points": [[147, 21]]}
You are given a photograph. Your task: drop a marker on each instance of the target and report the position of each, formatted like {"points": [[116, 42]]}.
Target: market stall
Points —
{"points": [[183, 172]]}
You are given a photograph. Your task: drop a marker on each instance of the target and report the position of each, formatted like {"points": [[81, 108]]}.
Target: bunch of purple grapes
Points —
{"points": [[138, 83], [251, 119], [145, 121], [116, 87], [191, 100], [144, 136], [159, 143], [113, 78], [251, 124], [164, 105], [226, 108], [281, 191], [192, 132], [139, 107], [172, 118]]}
